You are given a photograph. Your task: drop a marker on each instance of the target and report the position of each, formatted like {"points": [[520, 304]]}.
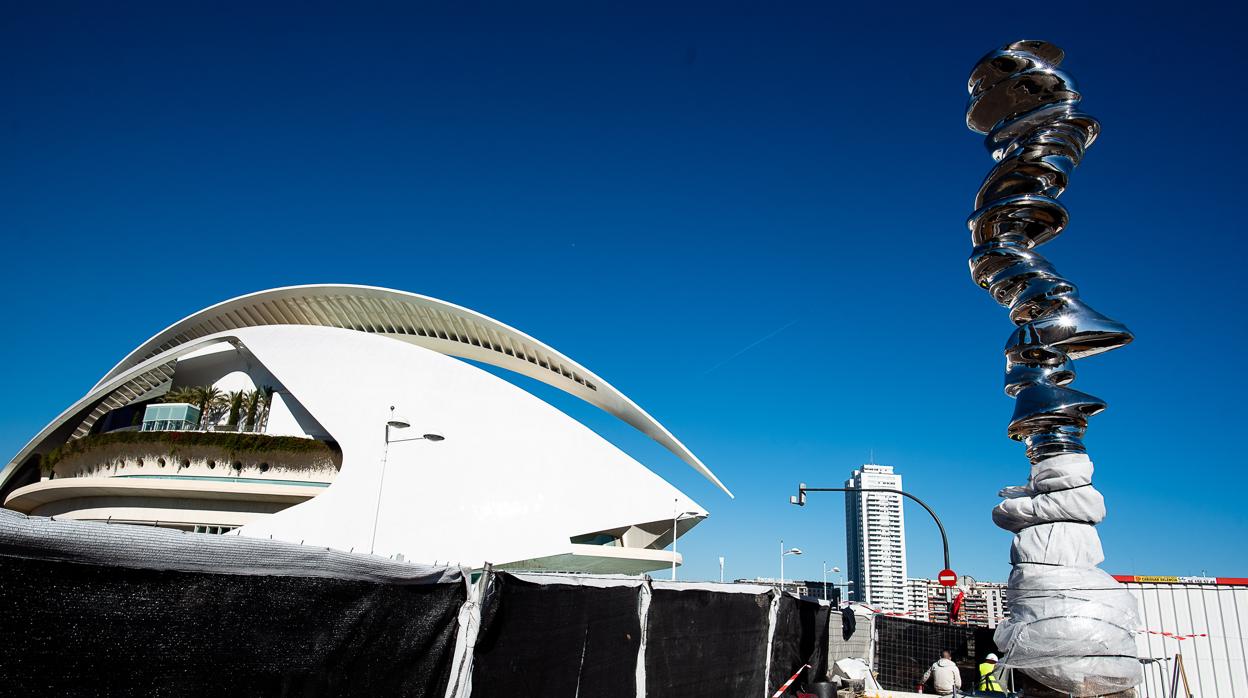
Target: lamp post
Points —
{"points": [[825, 578], [842, 583], [721, 569], [783, 553], [675, 519], [394, 422], [800, 500]]}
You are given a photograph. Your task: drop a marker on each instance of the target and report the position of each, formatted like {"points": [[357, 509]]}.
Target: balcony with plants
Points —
{"points": [[197, 432]]}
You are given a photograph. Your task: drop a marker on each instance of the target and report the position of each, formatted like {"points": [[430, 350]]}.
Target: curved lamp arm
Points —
{"points": [[802, 489]]}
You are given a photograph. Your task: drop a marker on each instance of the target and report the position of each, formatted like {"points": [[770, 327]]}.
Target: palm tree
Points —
{"points": [[182, 394], [235, 400], [251, 405], [209, 399], [266, 401]]}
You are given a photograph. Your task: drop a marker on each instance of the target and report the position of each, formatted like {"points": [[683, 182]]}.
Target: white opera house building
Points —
{"points": [[270, 415]]}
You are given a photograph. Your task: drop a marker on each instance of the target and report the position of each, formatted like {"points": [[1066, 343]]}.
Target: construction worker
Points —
{"points": [[946, 678], [987, 680]]}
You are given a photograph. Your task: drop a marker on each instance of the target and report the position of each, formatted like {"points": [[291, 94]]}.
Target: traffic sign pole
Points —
{"points": [[948, 579]]}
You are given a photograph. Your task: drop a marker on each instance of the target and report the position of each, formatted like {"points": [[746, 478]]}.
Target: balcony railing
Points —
{"points": [[170, 425]]}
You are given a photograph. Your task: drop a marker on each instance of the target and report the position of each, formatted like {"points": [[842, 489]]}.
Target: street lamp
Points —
{"points": [[676, 518], [783, 552], [840, 582], [825, 578], [395, 422], [800, 500]]}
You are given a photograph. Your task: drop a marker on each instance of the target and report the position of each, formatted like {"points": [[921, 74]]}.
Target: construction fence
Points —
{"points": [[90, 609], [904, 648]]}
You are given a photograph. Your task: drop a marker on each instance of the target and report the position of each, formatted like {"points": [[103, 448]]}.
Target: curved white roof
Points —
{"points": [[428, 322]]}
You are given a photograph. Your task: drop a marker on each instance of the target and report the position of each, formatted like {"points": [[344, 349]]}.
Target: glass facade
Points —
{"points": [[171, 416]]}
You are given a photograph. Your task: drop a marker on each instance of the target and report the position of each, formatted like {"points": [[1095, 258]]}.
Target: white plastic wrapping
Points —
{"points": [[1054, 493], [1072, 626], [149, 547], [1058, 544]]}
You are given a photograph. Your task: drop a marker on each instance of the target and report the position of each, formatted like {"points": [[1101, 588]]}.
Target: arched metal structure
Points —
{"points": [[428, 322]]}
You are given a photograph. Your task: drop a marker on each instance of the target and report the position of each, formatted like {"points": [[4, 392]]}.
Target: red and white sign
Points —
{"points": [[947, 578]]}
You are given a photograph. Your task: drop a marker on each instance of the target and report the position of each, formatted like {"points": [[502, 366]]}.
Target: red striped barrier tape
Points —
{"points": [[784, 687], [1174, 636]]}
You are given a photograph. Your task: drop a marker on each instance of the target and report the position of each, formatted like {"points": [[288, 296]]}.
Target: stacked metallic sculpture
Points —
{"points": [[1072, 627]]}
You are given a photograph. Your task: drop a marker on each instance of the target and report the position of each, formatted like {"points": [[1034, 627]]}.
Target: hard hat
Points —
{"points": [[991, 657]]}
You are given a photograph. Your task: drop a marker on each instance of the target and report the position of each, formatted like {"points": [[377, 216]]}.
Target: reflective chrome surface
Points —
{"points": [[1029, 111]]}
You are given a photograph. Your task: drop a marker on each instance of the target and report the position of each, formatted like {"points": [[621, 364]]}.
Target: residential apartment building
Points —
{"points": [[875, 531], [984, 604]]}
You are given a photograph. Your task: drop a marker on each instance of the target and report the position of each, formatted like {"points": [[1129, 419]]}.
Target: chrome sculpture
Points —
{"points": [[1030, 112], [1072, 627]]}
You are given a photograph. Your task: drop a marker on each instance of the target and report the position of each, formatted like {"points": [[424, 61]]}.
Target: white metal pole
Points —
{"points": [[781, 564], [825, 580], [675, 505], [385, 456], [721, 569]]}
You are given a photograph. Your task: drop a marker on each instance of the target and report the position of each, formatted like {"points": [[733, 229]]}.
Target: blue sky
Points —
{"points": [[653, 191]]}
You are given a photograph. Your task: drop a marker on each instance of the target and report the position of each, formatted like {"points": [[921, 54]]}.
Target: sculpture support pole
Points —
{"points": [[1072, 627]]}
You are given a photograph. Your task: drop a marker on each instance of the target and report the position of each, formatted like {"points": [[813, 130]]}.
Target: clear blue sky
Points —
{"points": [[653, 192]]}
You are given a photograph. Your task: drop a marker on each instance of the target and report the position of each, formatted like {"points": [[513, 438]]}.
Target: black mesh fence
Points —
{"points": [[801, 638], [79, 629], [98, 610], [557, 640], [905, 648], [706, 643]]}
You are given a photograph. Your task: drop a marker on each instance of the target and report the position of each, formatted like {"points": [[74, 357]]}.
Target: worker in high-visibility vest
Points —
{"points": [[987, 681]]}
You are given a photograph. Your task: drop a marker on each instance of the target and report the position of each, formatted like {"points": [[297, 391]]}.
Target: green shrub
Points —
{"points": [[233, 443]]}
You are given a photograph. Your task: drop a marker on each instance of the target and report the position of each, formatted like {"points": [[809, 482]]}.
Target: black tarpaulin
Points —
{"points": [[706, 643], [557, 640], [801, 637], [75, 622], [76, 629]]}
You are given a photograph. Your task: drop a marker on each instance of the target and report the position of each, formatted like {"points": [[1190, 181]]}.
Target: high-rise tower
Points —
{"points": [[875, 539]]}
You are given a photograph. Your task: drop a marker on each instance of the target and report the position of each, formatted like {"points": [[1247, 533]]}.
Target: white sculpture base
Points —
{"points": [[1072, 626]]}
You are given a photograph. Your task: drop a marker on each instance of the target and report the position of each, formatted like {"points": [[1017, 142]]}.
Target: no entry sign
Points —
{"points": [[947, 578]]}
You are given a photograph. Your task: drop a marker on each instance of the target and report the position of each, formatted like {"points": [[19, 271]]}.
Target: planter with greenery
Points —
{"points": [[284, 452]]}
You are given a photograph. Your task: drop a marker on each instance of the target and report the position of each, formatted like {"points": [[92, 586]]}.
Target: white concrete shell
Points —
{"points": [[512, 483]]}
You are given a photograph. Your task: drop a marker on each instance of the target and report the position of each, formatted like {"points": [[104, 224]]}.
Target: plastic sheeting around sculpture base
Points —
{"points": [[1071, 626], [93, 610]]}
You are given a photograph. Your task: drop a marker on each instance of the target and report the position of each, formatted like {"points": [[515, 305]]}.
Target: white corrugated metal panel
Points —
{"points": [[1212, 619]]}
